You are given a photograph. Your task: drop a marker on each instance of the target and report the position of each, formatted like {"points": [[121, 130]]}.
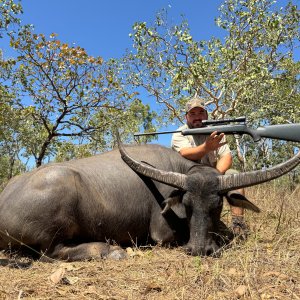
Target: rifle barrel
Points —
{"points": [[205, 123], [154, 133], [224, 121]]}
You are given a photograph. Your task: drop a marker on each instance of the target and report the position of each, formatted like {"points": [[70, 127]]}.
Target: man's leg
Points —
{"points": [[239, 227]]}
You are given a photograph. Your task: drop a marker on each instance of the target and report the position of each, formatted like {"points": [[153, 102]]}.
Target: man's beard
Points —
{"points": [[196, 124]]}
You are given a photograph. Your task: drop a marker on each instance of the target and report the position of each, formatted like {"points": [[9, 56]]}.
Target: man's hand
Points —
{"points": [[213, 142]]}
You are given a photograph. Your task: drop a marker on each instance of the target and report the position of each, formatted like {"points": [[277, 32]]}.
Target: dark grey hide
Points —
{"points": [[79, 209]]}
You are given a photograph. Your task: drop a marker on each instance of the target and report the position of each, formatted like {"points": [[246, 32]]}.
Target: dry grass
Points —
{"points": [[266, 266]]}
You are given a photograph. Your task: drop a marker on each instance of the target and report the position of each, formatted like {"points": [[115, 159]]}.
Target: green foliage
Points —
{"points": [[67, 96], [261, 43], [234, 75], [9, 10], [67, 151], [10, 163]]}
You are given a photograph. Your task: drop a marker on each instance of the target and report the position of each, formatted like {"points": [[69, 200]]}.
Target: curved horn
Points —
{"points": [[174, 179], [235, 181]]}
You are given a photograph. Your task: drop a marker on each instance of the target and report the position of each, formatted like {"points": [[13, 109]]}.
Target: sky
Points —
{"points": [[102, 27]]}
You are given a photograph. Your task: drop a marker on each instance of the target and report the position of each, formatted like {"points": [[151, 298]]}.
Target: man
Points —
{"points": [[212, 150]]}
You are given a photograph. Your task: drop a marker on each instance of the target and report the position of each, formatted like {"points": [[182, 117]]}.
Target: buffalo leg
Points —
{"points": [[87, 251]]}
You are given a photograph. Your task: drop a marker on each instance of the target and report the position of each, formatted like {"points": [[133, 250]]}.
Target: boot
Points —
{"points": [[239, 228]]}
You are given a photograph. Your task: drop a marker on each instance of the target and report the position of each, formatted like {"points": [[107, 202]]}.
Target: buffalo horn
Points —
{"points": [[235, 181], [170, 178]]}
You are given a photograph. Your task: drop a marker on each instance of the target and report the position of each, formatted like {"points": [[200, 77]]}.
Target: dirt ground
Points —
{"points": [[266, 266]]}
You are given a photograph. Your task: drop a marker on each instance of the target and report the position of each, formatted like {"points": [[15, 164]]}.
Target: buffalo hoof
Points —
{"points": [[87, 251], [117, 254]]}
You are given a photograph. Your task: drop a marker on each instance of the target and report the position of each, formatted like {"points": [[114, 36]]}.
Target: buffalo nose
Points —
{"points": [[208, 250]]}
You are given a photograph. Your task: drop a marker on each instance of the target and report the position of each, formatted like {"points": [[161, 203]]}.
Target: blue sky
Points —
{"points": [[103, 27]]}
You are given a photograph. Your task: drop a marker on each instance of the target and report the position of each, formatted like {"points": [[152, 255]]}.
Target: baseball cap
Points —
{"points": [[194, 102]]}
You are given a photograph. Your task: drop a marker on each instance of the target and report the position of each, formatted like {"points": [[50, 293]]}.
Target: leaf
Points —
{"points": [[70, 280], [233, 272], [69, 267], [133, 253], [275, 274], [57, 276], [240, 291]]}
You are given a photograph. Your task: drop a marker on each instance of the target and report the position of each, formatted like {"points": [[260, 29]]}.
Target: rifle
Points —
{"points": [[286, 132]]}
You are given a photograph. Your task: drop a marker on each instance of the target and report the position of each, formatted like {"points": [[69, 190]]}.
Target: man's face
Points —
{"points": [[195, 117]]}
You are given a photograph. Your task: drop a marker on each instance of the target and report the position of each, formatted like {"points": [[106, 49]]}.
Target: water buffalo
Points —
{"points": [[83, 209]]}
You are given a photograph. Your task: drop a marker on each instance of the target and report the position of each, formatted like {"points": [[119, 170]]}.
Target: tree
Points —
{"points": [[229, 74], [9, 10], [252, 71], [66, 94], [10, 146]]}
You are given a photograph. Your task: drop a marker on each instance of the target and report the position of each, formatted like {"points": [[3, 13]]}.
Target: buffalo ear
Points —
{"points": [[174, 202], [235, 198]]}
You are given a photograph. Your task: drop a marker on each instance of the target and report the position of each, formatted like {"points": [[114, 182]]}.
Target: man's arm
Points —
{"points": [[224, 163], [212, 143]]}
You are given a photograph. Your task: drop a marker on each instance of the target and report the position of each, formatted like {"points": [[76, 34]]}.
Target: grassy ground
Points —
{"points": [[266, 266]]}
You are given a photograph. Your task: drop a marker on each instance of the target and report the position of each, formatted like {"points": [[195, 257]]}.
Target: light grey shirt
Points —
{"points": [[180, 141]]}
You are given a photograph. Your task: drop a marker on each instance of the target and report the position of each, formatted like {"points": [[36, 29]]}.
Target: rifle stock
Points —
{"points": [[286, 132]]}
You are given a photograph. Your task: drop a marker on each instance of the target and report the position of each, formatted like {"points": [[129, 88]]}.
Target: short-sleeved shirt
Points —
{"points": [[180, 141]]}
